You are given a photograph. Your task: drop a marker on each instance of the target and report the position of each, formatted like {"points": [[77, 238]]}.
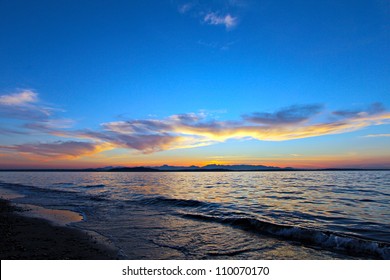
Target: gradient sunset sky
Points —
{"points": [[282, 83]]}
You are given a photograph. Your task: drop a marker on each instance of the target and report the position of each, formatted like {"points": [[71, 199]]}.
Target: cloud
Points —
{"points": [[184, 8], [10, 131], [215, 19], [188, 118], [213, 12], [147, 143], [59, 149], [31, 114], [22, 98], [137, 126], [49, 125], [372, 109], [291, 115], [23, 105], [194, 130], [177, 131], [147, 136], [377, 135]]}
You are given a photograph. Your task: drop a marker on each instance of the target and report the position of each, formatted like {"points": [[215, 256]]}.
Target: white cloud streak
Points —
{"points": [[23, 98], [227, 20], [377, 135], [24, 105], [217, 13]]}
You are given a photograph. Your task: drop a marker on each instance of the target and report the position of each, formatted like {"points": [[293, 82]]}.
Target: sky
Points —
{"points": [[189, 82]]}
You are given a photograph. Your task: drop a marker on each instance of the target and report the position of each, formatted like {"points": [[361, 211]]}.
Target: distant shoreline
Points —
{"points": [[187, 170]]}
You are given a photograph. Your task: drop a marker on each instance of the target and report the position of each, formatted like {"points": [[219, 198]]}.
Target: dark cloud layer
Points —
{"points": [[291, 115], [56, 149], [374, 108]]}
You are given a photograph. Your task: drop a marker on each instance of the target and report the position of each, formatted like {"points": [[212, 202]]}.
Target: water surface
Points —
{"points": [[242, 215]]}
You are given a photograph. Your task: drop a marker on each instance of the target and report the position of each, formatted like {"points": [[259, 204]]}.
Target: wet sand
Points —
{"points": [[33, 238]]}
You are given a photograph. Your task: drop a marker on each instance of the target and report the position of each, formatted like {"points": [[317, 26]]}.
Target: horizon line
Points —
{"points": [[218, 168]]}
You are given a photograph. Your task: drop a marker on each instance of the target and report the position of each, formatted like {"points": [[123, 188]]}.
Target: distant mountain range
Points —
{"points": [[192, 168], [210, 167], [218, 167]]}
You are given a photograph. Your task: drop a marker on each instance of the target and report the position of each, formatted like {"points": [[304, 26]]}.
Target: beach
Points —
{"points": [[38, 239]]}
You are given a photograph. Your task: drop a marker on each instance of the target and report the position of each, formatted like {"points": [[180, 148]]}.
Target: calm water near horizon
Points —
{"points": [[240, 215]]}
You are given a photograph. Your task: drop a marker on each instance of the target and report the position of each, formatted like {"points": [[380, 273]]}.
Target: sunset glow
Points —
{"points": [[194, 83]]}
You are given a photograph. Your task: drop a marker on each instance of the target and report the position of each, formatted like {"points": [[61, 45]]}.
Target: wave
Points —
{"points": [[28, 188], [92, 186], [219, 213], [98, 198], [158, 200], [324, 239], [54, 193], [63, 184]]}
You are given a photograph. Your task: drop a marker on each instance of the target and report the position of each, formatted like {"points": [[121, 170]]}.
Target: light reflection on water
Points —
{"points": [[353, 202], [361, 196]]}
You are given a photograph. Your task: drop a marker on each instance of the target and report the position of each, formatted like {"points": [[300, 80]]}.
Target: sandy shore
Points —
{"points": [[32, 238]]}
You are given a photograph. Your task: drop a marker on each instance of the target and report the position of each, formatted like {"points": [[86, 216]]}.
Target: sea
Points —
{"points": [[218, 215]]}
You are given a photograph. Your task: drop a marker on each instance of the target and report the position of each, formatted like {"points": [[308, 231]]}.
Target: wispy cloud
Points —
{"points": [[22, 98], [377, 135], [291, 115], [193, 130], [223, 13], [372, 109], [146, 136], [184, 8], [182, 131], [58, 149], [215, 19], [24, 105]]}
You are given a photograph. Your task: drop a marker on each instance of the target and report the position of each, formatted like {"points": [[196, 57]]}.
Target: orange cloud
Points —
{"points": [[224, 131], [178, 131], [194, 130]]}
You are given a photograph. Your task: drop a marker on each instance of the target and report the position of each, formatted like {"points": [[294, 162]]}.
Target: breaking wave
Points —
{"points": [[324, 239]]}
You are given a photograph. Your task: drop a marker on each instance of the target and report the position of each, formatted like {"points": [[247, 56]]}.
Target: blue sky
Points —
{"points": [[87, 83]]}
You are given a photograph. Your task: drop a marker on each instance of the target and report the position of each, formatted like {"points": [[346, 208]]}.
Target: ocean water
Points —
{"points": [[222, 215]]}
